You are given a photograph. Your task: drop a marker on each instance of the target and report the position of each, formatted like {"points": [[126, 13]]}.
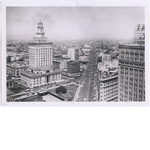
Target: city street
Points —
{"points": [[87, 81]]}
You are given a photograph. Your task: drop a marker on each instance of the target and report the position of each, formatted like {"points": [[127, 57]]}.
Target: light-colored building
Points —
{"points": [[108, 82], [106, 66], [63, 64], [107, 56], [86, 51], [86, 46], [40, 62], [73, 54]]}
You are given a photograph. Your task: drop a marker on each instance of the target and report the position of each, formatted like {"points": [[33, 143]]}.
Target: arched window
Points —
{"points": [[127, 53], [47, 71], [131, 53], [122, 52], [141, 54], [136, 54]]}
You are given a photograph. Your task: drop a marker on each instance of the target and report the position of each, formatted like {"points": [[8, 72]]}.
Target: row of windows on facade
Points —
{"points": [[131, 77], [133, 59], [53, 77], [35, 83], [110, 82], [109, 87], [40, 56], [131, 69], [39, 51], [131, 72], [40, 47], [131, 89], [140, 65], [127, 85], [140, 91], [109, 96], [132, 53], [105, 99], [110, 91], [131, 97], [136, 91]]}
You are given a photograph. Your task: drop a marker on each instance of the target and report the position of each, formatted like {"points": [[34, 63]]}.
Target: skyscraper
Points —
{"points": [[40, 50], [40, 62], [132, 68], [73, 54]]}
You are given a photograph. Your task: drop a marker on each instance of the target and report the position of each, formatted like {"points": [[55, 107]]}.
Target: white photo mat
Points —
{"points": [[110, 3]]}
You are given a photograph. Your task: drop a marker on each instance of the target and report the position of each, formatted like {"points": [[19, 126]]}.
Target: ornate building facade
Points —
{"points": [[132, 69]]}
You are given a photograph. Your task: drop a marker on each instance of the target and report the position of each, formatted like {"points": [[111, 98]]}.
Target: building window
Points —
{"points": [[131, 53], [141, 54]]}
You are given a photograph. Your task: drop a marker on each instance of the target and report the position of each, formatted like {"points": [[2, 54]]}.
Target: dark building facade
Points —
{"points": [[73, 67], [76, 54], [56, 64]]}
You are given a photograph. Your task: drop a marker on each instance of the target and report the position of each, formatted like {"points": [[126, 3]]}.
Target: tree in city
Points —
{"points": [[61, 90]]}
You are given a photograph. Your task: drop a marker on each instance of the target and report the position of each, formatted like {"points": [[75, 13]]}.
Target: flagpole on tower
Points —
{"points": [[40, 16]]}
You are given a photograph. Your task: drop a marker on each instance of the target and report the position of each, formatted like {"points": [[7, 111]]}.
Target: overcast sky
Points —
{"points": [[67, 23]]}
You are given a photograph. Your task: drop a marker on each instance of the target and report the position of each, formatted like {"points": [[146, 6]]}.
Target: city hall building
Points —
{"points": [[40, 62]]}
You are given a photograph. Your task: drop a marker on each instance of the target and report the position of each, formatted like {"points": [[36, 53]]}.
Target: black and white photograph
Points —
{"points": [[70, 54]]}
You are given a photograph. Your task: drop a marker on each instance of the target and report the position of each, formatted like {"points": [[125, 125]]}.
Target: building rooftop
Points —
{"points": [[18, 64], [41, 68], [51, 98], [39, 43], [108, 75], [32, 75], [57, 61], [132, 46], [107, 52]]}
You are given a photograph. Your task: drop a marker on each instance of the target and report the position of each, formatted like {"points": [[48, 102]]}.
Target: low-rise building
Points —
{"points": [[15, 69], [86, 51], [107, 56], [35, 79]]}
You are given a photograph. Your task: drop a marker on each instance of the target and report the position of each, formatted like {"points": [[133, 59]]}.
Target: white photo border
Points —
{"points": [[111, 3]]}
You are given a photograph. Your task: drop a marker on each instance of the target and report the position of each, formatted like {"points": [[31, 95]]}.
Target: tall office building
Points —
{"points": [[40, 50], [40, 61], [73, 54], [132, 69]]}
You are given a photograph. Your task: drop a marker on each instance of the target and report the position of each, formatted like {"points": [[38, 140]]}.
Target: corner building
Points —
{"points": [[132, 68], [131, 73], [40, 62]]}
